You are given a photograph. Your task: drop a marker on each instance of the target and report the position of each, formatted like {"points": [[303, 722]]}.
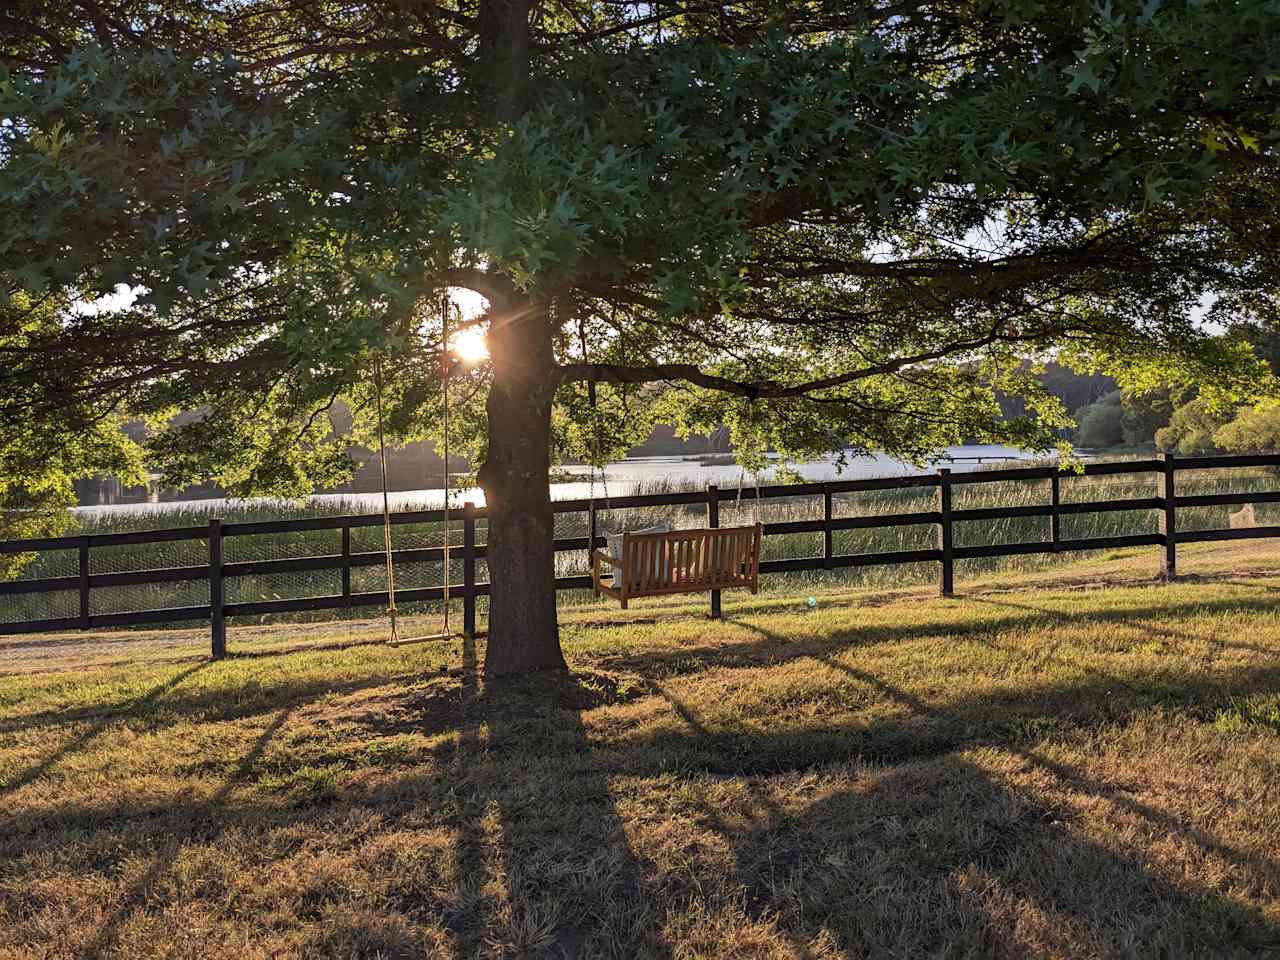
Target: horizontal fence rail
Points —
{"points": [[216, 572]]}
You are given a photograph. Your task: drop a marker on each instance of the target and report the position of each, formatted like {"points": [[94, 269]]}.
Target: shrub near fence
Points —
{"points": [[218, 570]]}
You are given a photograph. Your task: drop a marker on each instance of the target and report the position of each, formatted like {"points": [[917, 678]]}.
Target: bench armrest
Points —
{"points": [[606, 558]]}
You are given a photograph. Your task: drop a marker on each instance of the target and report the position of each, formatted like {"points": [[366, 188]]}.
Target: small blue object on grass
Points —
{"points": [[812, 602]]}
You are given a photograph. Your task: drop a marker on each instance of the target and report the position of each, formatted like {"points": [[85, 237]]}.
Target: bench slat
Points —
{"points": [[684, 561]]}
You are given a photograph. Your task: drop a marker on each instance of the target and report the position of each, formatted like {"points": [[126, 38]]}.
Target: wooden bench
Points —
{"points": [[681, 561]]}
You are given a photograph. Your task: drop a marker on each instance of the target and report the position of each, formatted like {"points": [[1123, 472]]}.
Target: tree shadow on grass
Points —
{"points": [[1230, 579], [161, 707], [556, 852], [768, 647], [936, 856], [548, 853], [945, 859], [929, 857], [1149, 626], [138, 704], [921, 729], [1077, 780], [138, 893]]}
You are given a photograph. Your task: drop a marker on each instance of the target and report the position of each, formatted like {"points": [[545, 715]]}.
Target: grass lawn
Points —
{"points": [[1039, 767]]}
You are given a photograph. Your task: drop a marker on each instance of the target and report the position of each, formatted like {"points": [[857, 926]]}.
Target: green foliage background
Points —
{"points": [[890, 210]]}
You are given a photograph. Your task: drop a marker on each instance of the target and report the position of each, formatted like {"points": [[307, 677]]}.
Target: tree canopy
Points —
{"points": [[826, 224]]}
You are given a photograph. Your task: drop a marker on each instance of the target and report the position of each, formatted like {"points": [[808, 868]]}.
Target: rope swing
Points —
{"points": [[393, 636]]}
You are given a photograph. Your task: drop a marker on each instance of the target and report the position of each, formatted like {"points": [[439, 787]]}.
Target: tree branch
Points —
{"points": [[498, 290], [761, 390]]}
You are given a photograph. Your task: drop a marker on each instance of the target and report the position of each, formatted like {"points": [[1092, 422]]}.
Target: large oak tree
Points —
{"points": [[827, 224]]}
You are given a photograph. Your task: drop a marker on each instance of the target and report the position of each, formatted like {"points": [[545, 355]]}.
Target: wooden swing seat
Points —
{"points": [[679, 561]]}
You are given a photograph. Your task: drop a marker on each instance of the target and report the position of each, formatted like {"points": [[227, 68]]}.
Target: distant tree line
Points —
{"points": [[1181, 419]]}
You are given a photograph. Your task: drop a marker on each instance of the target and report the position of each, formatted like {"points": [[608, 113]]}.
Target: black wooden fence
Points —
{"points": [[1165, 502]]}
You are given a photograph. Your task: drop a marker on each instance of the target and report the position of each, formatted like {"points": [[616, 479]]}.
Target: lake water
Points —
{"points": [[623, 478]]}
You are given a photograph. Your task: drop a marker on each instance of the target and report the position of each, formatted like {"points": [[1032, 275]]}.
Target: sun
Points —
{"points": [[469, 345]]}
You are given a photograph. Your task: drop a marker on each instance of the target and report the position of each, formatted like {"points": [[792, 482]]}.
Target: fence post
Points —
{"points": [[346, 562], [946, 582], [84, 583], [713, 521], [216, 597], [828, 550], [1168, 519], [1055, 520], [469, 570]]}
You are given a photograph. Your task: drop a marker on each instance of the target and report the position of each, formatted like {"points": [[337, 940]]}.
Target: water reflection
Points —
{"points": [[618, 479]]}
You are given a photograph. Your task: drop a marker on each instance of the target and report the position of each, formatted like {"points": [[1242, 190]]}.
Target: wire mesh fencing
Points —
{"points": [[276, 557]]}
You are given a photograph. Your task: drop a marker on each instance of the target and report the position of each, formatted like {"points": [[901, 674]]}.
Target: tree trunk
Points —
{"points": [[523, 633], [504, 54]]}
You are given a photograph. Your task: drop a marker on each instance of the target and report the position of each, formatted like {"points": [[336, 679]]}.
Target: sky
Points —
{"points": [[469, 303]]}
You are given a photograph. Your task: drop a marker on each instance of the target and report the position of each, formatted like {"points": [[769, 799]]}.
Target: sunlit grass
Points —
{"points": [[1037, 768]]}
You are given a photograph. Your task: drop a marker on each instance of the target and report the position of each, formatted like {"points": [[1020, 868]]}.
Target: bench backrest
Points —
{"points": [[690, 560]]}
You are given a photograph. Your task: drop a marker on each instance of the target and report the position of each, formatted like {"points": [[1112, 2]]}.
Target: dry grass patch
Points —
{"points": [[1029, 770]]}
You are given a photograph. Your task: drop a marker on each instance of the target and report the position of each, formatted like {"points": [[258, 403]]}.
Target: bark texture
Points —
{"points": [[523, 632]]}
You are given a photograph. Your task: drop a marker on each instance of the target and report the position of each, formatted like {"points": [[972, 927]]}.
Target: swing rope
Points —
{"points": [[595, 460], [392, 613], [444, 380], [394, 636]]}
